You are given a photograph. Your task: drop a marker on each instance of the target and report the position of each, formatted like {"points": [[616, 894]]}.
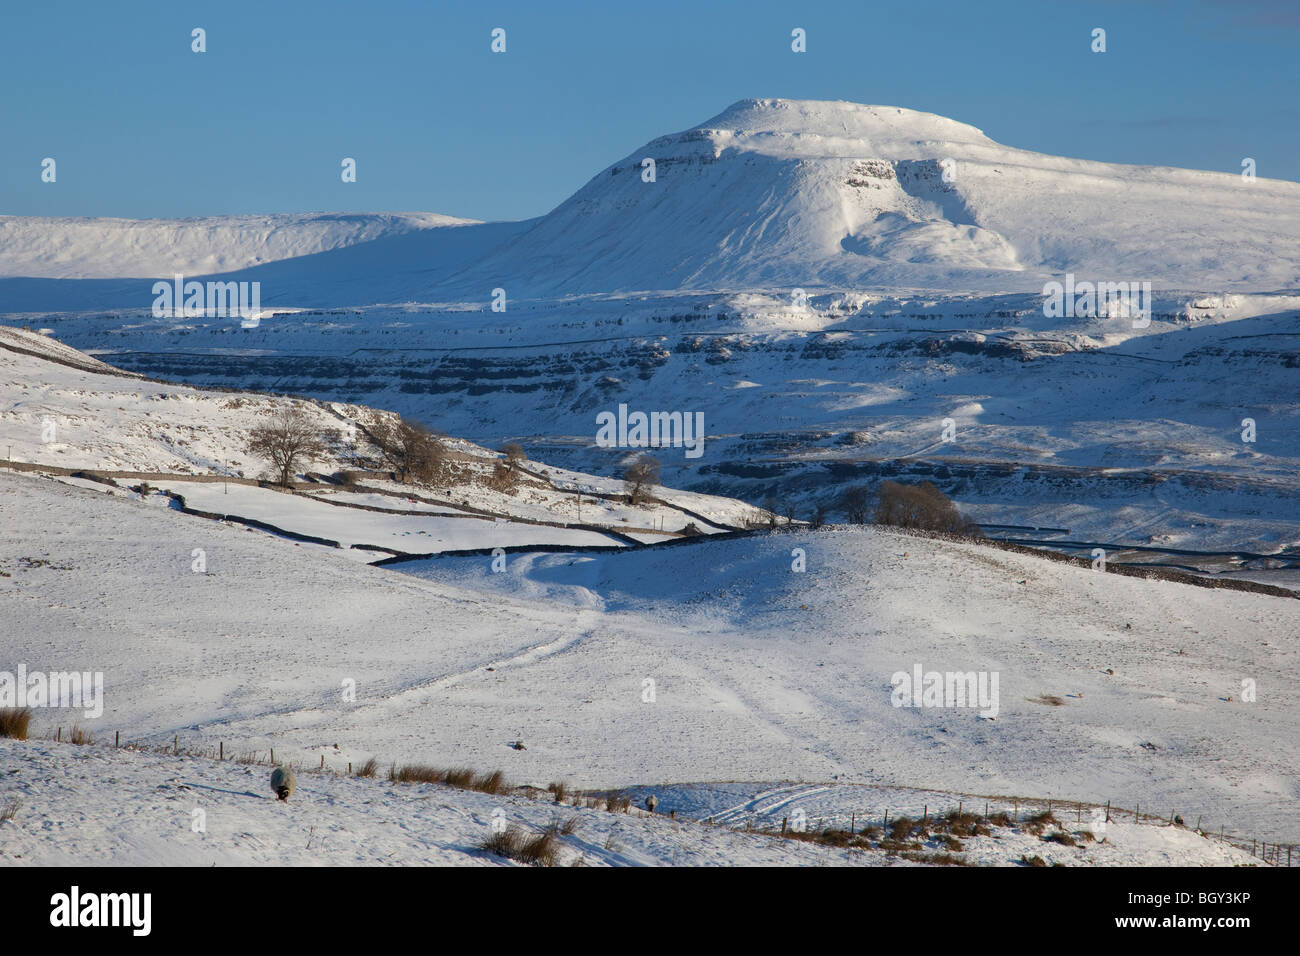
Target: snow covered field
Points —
{"points": [[759, 673], [91, 806]]}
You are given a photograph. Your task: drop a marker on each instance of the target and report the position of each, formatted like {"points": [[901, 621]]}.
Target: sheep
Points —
{"points": [[651, 802], [283, 782]]}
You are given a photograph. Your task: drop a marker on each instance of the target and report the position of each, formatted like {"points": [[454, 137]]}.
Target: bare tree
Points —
{"points": [[409, 449], [641, 475], [288, 439], [855, 503], [514, 453]]}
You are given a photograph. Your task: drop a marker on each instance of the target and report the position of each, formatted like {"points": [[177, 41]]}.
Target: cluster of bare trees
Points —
{"points": [[921, 506], [291, 439], [409, 450]]}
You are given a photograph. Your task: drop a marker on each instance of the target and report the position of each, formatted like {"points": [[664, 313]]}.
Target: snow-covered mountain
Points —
{"points": [[89, 248], [795, 193], [773, 194]]}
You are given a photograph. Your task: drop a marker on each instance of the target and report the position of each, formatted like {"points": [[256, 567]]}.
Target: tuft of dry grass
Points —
{"points": [[933, 859], [560, 789], [9, 810], [537, 849], [618, 803], [1062, 838], [493, 783], [369, 768], [14, 722], [903, 827], [1033, 861], [80, 736], [962, 824], [835, 838], [1038, 822], [462, 778], [1050, 700]]}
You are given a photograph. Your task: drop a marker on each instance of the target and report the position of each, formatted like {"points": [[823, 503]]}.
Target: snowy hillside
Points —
{"points": [[72, 248], [62, 411], [1110, 688]]}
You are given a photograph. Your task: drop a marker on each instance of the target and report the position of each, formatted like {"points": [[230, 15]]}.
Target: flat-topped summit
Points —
{"points": [[836, 128]]}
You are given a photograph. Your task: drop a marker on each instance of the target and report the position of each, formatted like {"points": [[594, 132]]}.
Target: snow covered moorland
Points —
{"points": [[831, 295], [1110, 688], [767, 658]]}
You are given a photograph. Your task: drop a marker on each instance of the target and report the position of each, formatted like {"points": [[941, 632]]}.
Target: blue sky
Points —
{"points": [[140, 126]]}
